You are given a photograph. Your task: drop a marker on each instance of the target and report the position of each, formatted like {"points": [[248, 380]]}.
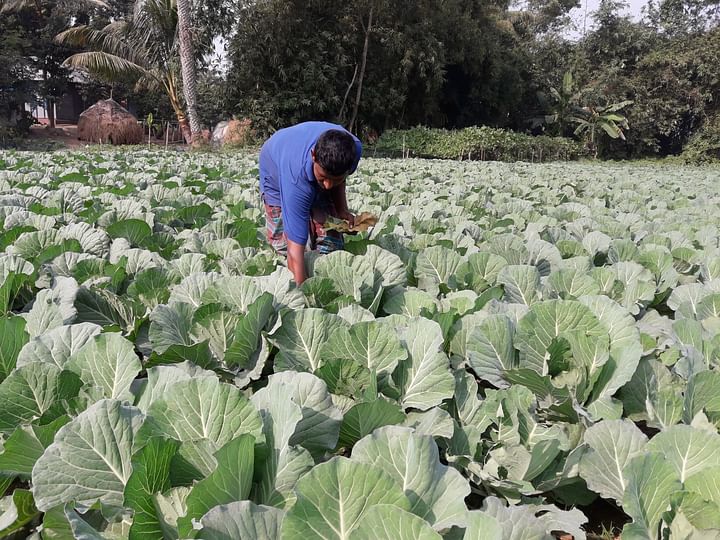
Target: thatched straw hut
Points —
{"points": [[108, 122]]}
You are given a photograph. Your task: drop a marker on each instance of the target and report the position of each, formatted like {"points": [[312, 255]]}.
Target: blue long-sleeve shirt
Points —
{"points": [[286, 174]]}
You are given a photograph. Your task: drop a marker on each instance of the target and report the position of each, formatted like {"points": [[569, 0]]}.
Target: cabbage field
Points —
{"points": [[512, 350]]}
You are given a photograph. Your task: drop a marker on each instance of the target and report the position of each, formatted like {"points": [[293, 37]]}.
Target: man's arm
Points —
{"points": [[296, 205], [296, 260]]}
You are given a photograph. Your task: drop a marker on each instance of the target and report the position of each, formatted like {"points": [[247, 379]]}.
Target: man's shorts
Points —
{"points": [[319, 239]]}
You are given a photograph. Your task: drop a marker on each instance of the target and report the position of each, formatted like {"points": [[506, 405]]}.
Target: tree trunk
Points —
{"points": [[358, 93], [341, 114], [49, 102], [184, 127], [171, 90], [187, 63], [51, 112]]}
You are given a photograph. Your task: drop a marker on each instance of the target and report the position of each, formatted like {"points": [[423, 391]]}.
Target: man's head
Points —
{"points": [[333, 157]]}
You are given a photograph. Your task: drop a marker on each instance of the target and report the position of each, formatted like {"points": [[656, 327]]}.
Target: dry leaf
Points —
{"points": [[362, 223]]}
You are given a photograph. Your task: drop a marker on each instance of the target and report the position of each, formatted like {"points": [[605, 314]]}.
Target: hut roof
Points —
{"points": [[108, 122]]}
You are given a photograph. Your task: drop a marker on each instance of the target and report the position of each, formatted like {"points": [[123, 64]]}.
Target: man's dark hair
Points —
{"points": [[335, 152]]}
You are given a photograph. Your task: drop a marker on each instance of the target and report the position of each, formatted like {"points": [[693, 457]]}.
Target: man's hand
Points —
{"points": [[296, 261], [347, 216]]}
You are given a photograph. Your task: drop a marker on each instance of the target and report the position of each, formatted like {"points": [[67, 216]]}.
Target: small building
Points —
{"points": [[67, 109]]}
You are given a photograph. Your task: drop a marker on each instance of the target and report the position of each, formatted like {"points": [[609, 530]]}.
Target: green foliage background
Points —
{"points": [[443, 64]]}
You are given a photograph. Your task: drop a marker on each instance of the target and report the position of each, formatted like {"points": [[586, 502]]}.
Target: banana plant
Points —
{"points": [[565, 105], [593, 121], [149, 122]]}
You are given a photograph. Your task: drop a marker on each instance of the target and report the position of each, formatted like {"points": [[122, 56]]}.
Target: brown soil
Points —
{"points": [[62, 135], [605, 519], [65, 136]]}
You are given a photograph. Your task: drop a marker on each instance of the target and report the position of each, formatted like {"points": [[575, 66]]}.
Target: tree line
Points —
{"points": [[628, 88]]}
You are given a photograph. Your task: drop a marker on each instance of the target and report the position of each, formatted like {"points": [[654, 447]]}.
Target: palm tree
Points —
{"points": [[592, 121], [187, 63], [143, 48]]}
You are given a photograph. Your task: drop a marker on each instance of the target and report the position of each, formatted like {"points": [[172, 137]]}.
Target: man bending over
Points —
{"points": [[302, 181]]}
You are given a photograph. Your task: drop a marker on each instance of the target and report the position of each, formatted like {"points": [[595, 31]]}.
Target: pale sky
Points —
{"points": [[583, 14], [219, 59]]}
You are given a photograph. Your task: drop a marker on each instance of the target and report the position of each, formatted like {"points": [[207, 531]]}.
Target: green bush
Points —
{"points": [[704, 146], [10, 137], [480, 143]]}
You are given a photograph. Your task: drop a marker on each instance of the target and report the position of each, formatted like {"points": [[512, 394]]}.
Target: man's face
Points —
{"points": [[326, 180]]}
